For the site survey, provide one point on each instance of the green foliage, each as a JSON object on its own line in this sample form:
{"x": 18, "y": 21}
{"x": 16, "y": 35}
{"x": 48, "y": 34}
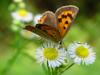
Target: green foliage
{"x": 17, "y": 54}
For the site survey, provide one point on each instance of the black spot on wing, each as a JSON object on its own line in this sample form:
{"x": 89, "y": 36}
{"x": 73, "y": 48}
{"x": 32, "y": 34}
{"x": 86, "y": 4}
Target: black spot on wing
{"x": 66, "y": 22}
{"x": 59, "y": 20}
{"x": 64, "y": 16}
{"x": 70, "y": 15}
{"x": 64, "y": 27}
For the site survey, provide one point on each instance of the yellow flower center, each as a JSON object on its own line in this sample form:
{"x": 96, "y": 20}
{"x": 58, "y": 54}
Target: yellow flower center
{"x": 81, "y": 51}
{"x": 22, "y": 12}
{"x": 50, "y": 53}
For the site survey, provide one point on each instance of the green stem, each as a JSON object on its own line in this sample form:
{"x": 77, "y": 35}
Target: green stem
{"x": 49, "y": 70}
{"x": 44, "y": 69}
{"x": 29, "y": 56}
{"x": 54, "y": 71}
{"x": 66, "y": 68}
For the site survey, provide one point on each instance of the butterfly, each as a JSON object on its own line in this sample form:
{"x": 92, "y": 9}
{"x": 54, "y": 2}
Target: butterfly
{"x": 54, "y": 26}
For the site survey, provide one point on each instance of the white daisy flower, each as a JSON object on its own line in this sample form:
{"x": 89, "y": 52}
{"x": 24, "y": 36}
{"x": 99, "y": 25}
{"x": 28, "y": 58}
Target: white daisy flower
{"x": 51, "y": 53}
{"x": 37, "y": 18}
{"x": 81, "y": 53}
{"x": 22, "y": 15}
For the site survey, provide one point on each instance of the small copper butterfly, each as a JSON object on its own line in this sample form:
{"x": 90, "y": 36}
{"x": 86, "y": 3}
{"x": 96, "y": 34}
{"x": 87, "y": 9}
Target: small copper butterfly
{"x": 55, "y": 26}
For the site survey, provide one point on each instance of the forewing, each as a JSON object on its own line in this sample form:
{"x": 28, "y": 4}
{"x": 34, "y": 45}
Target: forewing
{"x": 65, "y": 16}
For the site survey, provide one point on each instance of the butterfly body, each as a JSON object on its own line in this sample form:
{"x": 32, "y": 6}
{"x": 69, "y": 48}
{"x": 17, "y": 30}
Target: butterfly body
{"x": 55, "y": 26}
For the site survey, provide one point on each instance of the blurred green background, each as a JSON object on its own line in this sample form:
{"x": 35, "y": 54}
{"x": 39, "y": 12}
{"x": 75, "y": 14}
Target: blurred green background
{"x": 17, "y": 53}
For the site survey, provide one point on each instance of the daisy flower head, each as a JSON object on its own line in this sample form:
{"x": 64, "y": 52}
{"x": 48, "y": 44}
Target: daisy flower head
{"x": 52, "y": 54}
{"x": 81, "y": 53}
{"x": 22, "y": 15}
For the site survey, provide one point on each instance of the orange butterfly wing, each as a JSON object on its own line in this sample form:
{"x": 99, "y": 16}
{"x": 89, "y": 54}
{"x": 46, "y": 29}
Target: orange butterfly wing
{"x": 65, "y": 16}
{"x": 55, "y": 26}
{"x": 48, "y": 24}
{"x": 45, "y": 31}
{"x": 48, "y": 18}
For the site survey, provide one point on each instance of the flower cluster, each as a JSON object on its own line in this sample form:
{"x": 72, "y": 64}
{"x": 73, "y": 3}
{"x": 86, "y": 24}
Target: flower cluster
{"x": 19, "y": 11}
{"x": 55, "y": 55}
{"x": 21, "y": 17}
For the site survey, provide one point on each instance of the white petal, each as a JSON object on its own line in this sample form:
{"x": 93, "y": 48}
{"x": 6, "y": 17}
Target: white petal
{"x": 77, "y": 60}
